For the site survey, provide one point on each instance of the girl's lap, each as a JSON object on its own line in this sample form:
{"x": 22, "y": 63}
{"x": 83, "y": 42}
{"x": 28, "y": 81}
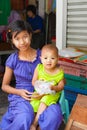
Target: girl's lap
{"x": 51, "y": 118}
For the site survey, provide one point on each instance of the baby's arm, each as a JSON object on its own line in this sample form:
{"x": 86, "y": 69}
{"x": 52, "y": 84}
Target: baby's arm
{"x": 59, "y": 87}
{"x": 35, "y": 77}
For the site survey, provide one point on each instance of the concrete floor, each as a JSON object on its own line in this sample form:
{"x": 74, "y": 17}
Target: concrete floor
{"x": 2, "y": 111}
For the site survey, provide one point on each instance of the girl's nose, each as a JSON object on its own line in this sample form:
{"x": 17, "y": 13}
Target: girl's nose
{"x": 21, "y": 41}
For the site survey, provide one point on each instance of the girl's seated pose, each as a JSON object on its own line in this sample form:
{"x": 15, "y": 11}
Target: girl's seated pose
{"x": 22, "y": 63}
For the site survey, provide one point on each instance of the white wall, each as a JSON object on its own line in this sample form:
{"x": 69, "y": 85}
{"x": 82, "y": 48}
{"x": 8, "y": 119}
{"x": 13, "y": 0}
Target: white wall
{"x": 41, "y": 9}
{"x": 61, "y": 23}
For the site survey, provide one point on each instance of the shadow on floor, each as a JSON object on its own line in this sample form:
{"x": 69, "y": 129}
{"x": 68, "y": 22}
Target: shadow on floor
{"x": 62, "y": 126}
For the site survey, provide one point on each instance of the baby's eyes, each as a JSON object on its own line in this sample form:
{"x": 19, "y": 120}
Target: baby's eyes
{"x": 53, "y": 58}
{"x": 50, "y": 58}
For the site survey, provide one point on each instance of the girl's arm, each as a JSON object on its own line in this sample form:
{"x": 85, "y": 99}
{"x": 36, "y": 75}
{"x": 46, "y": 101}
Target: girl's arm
{"x": 6, "y": 87}
{"x": 6, "y": 81}
{"x": 60, "y": 86}
{"x": 37, "y": 31}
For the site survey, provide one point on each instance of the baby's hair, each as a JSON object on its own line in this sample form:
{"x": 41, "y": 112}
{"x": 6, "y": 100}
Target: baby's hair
{"x": 50, "y": 47}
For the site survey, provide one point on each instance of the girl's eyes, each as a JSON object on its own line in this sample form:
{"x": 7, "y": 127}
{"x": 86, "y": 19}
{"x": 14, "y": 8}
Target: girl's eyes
{"x": 23, "y": 38}
{"x": 26, "y": 36}
{"x": 17, "y": 39}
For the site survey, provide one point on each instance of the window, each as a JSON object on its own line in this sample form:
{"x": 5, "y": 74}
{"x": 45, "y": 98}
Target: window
{"x": 71, "y": 23}
{"x": 76, "y": 30}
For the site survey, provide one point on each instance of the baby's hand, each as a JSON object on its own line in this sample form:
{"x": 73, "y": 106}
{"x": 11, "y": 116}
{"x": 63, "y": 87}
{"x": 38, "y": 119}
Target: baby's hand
{"x": 52, "y": 87}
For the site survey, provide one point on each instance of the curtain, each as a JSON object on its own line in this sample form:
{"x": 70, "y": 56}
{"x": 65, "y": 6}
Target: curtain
{"x": 5, "y": 8}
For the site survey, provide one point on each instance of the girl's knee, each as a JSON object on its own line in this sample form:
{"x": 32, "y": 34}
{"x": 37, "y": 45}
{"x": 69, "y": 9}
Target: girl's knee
{"x": 25, "y": 118}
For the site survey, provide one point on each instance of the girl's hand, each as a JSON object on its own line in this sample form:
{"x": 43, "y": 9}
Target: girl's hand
{"x": 25, "y": 94}
{"x": 35, "y": 95}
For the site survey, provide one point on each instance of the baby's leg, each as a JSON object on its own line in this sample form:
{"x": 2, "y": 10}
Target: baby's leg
{"x": 38, "y": 128}
{"x": 33, "y": 127}
{"x": 41, "y": 108}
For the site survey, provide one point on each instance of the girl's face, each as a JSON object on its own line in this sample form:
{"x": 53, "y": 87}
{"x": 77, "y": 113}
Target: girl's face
{"x": 49, "y": 59}
{"x": 22, "y": 40}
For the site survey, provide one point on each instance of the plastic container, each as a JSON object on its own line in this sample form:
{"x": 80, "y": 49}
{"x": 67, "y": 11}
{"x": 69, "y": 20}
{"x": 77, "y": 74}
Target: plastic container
{"x": 43, "y": 87}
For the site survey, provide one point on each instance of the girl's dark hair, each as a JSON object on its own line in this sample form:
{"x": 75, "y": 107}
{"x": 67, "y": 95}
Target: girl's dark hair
{"x": 17, "y": 26}
{"x": 31, "y": 8}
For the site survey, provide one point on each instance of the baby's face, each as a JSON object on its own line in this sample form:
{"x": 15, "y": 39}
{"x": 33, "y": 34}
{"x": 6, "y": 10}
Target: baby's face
{"x": 49, "y": 59}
